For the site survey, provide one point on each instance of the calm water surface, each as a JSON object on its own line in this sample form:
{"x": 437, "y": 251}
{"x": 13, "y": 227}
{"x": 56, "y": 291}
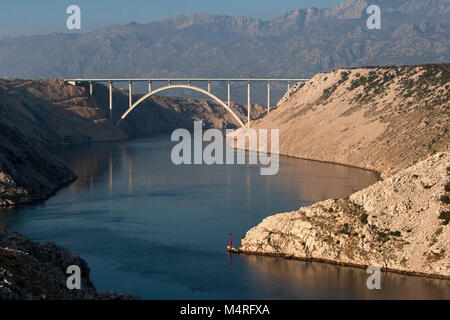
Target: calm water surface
{"x": 147, "y": 226}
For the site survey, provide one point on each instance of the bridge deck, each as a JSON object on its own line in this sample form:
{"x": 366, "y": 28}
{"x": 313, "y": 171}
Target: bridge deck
{"x": 185, "y": 79}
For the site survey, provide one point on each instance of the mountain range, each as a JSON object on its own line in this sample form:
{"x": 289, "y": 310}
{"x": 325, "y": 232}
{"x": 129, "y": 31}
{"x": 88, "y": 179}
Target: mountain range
{"x": 299, "y": 43}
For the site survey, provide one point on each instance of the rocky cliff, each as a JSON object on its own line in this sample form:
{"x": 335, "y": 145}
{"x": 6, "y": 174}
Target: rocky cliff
{"x": 33, "y": 271}
{"x": 399, "y": 224}
{"x": 393, "y": 120}
{"x": 27, "y": 171}
{"x": 383, "y": 119}
{"x": 34, "y": 115}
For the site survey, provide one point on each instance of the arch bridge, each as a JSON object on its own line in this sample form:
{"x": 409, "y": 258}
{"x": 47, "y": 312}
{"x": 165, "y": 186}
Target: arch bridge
{"x": 187, "y": 85}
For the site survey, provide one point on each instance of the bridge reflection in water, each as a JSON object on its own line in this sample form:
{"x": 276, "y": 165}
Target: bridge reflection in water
{"x": 306, "y": 179}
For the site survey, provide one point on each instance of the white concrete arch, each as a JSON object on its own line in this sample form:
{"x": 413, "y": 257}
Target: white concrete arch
{"x": 182, "y": 86}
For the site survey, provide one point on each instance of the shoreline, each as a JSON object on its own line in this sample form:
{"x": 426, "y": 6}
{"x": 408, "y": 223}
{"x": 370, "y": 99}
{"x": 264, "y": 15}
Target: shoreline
{"x": 376, "y": 173}
{"x": 336, "y": 263}
{"x": 372, "y": 227}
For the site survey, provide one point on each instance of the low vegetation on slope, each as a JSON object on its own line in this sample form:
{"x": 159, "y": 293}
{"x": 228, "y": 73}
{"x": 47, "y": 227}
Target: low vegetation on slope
{"x": 393, "y": 120}
{"x": 380, "y": 118}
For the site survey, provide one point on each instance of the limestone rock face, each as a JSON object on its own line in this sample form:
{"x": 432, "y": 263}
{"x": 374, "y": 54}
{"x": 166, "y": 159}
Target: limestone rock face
{"x": 398, "y": 224}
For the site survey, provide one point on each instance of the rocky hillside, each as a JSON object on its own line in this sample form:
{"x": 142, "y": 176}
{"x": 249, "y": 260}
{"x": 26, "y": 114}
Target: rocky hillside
{"x": 381, "y": 118}
{"x": 52, "y": 113}
{"x": 299, "y": 43}
{"x": 27, "y": 171}
{"x": 33, "y": 271}
{"x": 42, "y": 113}
{"x": 393, "y": 120}
{"x": 399, "y": 224}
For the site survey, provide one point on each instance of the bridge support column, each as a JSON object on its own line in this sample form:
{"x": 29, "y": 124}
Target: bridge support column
{"x": 268, "y": 97}
{"x": 209, "y": 86}
{"x": 130, "y": 92}
{"x": 91, "y": 89}
{"x": 229, "y": 93}
{"x": 110, "y": 98}
{"x": 149, "y": 86}
{"x": 248, "y": 104}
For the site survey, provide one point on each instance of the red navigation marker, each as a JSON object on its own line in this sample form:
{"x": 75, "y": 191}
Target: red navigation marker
{"x": 231, "y": 242}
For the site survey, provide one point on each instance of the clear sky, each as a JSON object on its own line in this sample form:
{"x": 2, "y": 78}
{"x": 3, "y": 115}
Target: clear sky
{"x": 24, "y": 17}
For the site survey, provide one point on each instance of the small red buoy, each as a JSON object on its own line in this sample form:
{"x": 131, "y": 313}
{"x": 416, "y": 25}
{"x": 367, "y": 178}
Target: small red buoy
{"x": 231, "y": 242}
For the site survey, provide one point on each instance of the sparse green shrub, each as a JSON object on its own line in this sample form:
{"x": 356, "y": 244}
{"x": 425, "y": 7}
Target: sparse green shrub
{"x": 445, "y": 215}
{"x": 361, "y": 81}
{"x": 329, "y": 91}
{"x": 382, "y": 236}
{"x": 447, "y": 187}
{"x": 345, "y": 230}
{"x": 433, "y": 257}
{"x": 445, "y": 199}
{"x": 344, "y": 76}
{"x": 364, "y": 218}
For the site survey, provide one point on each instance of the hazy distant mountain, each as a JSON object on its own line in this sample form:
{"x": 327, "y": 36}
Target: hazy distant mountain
{"x": 299, "y": 43}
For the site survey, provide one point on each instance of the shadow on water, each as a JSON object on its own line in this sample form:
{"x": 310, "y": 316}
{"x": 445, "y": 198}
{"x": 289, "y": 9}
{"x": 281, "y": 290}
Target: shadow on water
{"x": 309, "y": 280}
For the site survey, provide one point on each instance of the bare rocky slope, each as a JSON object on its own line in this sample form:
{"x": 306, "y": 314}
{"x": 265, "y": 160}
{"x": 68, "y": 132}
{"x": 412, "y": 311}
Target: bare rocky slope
{"x": 381, "y": 118}
{"x": 393, "y": 120}
{"x": 33, "y": 116}
{"x": 42, "y": 113}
